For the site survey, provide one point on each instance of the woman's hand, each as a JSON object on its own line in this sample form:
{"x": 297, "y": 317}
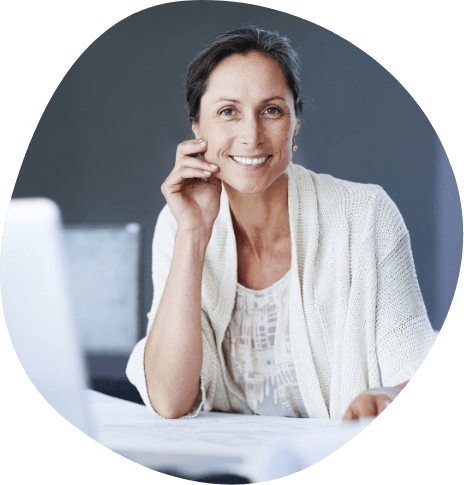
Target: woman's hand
{"x": 193, "y": 202}
{"x": 372, "y": 402}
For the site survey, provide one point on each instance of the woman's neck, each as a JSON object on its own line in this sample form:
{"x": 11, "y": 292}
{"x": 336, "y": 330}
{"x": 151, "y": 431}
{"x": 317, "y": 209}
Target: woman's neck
{"x": 260, "y": 220}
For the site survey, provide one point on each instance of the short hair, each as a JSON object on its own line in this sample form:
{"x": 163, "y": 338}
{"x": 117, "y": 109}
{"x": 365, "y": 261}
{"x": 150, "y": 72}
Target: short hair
{"x": 242, "y": 41}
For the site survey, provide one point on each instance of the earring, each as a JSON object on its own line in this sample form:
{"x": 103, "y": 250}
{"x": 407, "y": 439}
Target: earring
{"x": 294, "y": 147}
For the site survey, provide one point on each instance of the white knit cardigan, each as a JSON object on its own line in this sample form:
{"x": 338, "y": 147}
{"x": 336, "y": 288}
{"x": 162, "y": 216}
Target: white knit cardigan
{"x": 357, "y": 317}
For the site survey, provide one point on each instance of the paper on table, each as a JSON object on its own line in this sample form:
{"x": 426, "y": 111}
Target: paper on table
{"x": 263, "y": 447}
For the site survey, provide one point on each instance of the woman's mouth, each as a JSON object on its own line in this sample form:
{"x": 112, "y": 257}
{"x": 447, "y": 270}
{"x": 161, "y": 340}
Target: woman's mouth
{"x": 251, "y": 161}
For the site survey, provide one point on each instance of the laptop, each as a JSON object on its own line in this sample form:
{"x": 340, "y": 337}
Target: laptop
{"x": 38, "y": 307}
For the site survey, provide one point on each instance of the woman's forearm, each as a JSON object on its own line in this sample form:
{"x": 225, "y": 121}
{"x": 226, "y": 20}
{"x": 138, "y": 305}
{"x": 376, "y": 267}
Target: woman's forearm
{"x": 173, "y": 352}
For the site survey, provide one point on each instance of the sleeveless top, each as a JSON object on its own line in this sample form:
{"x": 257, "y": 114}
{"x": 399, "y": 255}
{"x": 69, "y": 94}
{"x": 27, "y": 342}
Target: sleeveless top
{"x": 257, "y": 351}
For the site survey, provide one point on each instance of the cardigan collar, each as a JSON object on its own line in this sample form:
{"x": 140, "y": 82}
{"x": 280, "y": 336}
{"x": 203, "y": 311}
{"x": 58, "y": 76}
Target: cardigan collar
{"x": 303, "y": 314}
{"x": 220, "y": 285}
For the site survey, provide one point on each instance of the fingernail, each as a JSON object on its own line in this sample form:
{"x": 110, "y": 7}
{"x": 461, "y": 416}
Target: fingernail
{"x": 214, "y": 167}
{"x": 206, "y": 172}
{"x": 201, "y": 140}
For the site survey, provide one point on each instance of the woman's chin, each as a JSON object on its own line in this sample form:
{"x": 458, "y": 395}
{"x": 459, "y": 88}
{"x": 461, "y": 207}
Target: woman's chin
{"x": 245, "y": 187}
{"x": 252, "y": 185}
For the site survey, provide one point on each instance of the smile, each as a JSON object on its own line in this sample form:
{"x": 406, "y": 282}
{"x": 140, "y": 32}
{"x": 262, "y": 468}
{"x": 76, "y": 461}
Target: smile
{"x": 251, "y": 161}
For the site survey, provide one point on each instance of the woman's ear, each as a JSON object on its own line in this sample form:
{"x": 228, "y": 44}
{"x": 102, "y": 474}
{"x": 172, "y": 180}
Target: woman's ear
{"x": 196, "y": 130}
{"x": 297, "y": 126}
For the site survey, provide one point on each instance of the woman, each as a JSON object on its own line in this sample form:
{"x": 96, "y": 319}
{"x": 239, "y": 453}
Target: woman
{"x": 276, "y": 290}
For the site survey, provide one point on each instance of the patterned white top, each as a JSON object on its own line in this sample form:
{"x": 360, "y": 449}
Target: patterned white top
{"x": 257, "y": 351}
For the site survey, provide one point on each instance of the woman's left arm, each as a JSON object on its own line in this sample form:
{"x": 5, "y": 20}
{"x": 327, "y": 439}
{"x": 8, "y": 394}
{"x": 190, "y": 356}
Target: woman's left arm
{"x": 371, "y": 402}
{"x": 403, "y": 334}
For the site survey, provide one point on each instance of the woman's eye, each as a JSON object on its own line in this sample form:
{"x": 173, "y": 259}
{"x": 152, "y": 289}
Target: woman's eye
{"x": 227, "y": 112}
{"x": 273, "y": 110}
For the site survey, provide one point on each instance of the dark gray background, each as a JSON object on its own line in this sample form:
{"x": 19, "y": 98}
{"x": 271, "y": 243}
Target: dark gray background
{"x": 107, "y": 139}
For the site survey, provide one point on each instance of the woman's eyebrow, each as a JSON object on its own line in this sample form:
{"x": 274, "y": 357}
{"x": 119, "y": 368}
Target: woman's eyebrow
{"x": 272, "y": 99}
{"x": 236, "y": 101}
{"x": 220, "y": 100}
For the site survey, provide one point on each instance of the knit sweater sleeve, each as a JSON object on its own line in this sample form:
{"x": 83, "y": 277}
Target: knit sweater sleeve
{"x": 404, "y": 335}
{"x": 162, "y": 250}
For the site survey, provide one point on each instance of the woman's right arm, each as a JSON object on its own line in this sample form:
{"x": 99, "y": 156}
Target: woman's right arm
{"x": 173, "y": 351}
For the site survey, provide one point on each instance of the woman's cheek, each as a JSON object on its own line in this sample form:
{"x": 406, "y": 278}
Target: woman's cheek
{"x": 211, "y": 156}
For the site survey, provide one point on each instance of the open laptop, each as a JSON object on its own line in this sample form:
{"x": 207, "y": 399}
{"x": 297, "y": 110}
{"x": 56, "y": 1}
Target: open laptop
{"x": 38, "y": 307}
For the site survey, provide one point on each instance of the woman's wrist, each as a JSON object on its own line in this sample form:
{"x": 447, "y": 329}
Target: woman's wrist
{"x": 193, "y": 238}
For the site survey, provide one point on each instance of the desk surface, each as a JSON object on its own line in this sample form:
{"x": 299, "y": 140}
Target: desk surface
{"x": 258, "y": 447}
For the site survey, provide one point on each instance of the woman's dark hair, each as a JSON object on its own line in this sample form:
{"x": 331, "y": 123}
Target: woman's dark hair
{"x": 242, "y": 41}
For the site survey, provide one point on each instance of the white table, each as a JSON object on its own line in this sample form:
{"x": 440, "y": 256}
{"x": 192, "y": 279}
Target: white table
{"x": 257, "y": 447}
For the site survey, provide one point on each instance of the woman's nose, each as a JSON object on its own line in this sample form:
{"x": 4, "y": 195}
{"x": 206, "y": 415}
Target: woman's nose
{"x": 251, "y": 132}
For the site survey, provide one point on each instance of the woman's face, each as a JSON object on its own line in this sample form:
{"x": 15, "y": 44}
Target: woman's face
{"x": 247, "y": 114}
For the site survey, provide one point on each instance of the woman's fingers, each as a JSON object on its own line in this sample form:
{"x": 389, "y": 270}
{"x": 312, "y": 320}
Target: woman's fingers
{"x": 191, "y": 189}
{"x": 349, "y": 413}
{"x": 190, "y": 148}
{"x": 367, "y": 406}
{"x": 191, "y": 168}
{"x": 189, "y": 162}
{"x": 186, "y": 158}
{"x": 176, "y": 180}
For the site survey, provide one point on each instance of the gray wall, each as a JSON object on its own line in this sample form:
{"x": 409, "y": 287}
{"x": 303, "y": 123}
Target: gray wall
{"x": 107, "y": 139}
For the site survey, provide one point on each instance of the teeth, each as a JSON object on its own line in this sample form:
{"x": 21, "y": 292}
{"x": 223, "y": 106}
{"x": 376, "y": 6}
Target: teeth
{"x": 250, "y": 161}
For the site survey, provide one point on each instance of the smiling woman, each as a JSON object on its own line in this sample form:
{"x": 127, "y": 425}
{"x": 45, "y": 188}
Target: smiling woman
{"x": 276, "y": 290}
{"x": 248, "y": 118}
